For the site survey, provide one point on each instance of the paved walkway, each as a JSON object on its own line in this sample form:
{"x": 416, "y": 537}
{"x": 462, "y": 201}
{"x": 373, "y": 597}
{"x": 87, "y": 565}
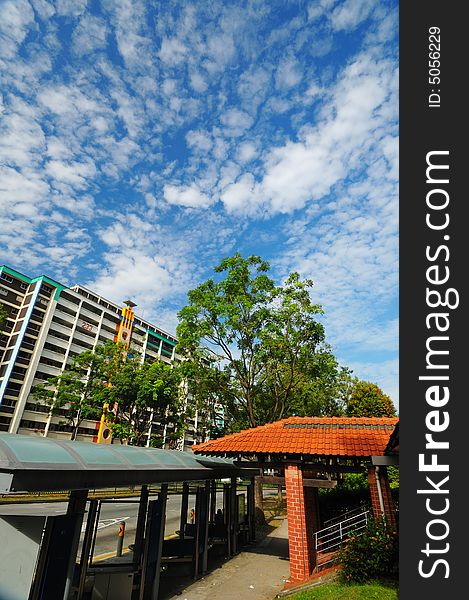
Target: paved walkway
{"x": 256, "y": 573}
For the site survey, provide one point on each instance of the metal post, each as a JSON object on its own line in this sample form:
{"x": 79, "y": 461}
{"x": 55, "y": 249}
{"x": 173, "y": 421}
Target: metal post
{"x": 196, "y": 557}
{"x": 184, "y": 507}
{"x": 140, "y": 529}
{"x": 213, "y": 500}
{"x": 151, "y": 567}
{"x": 204, "y": 525}
{"x": 226, "y": 510}
{"x": 76, "y": 510}
{"x": 234, "y": 518}
{"x": 95, "y": 531}
{"x": 87, "y": 542}
{"x": 120, "y": 538}
{"x": 251, "y": 511}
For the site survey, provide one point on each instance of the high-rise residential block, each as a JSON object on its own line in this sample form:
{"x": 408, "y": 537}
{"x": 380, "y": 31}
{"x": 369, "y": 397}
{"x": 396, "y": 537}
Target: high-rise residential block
{"x": 48, "y": 323}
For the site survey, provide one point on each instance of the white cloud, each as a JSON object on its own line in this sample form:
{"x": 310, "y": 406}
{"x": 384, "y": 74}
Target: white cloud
{"x": 236, "y": 122}
{"x": 247, "y": 152}
{"x": 190, "y": 196}
{"x": 319, "y": 8}
{"x": 288, "y": 74}
{"x": 199, "y": 140}
{"x": 89, "y": 35}
{"x": 172, "y": 51}
{"x": 21, "y": 187}
{"x": 75, "y": 173}
{"x": 351, "y": 13}
{"x": 352, "y": 119}
{"x": 71, "y": 8}
{"x": 198, "y": 82}
{"x": 240, "y": 195}
{"x": 16, "y": 18}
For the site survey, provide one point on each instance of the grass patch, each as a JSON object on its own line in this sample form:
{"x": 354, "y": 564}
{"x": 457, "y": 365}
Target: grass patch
{"x": 345, "y": 591}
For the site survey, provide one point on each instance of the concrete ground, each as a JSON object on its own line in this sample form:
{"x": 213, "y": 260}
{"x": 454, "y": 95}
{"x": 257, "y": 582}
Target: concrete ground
{"x": 258, "y": 572}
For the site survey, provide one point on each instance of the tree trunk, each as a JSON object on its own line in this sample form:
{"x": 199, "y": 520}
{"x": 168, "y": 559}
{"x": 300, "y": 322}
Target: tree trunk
{"x": 259, "y": 502}
{"x": 280, "y": 494}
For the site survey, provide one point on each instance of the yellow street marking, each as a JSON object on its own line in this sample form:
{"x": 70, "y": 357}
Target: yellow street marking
{"x": 125, "y": 550}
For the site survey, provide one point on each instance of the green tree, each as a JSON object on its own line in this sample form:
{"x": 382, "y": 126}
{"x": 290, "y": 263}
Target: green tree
{"x": 3, "y": 316}
{"x": 324, "y": 388}
{"x": 80, "y": 392}
{"x": 268, "y": 336}
{"x": 144, "y": 393}
{"x": 206, "y": 383}
{"x": 368, "y": 400}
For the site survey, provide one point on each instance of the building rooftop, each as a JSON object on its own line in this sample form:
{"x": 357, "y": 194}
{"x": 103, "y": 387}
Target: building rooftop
{"x": 318, "y": 436}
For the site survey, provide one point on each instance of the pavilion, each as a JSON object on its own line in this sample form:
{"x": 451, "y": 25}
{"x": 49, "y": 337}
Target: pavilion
{"x": 307, "y": 453}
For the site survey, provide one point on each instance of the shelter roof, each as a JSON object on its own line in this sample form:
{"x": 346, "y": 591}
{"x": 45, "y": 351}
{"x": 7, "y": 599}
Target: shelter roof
{"x": 29, "y": 463}
{"x": 312, "y": 436}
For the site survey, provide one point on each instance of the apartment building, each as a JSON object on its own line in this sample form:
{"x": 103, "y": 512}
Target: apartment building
{"x": 49, "y": 323}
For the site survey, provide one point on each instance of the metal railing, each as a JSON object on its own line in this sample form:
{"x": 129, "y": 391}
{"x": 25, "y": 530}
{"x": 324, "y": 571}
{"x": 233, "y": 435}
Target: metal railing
{"x": 345, "y": 515}
{"x": 329, "y": 539}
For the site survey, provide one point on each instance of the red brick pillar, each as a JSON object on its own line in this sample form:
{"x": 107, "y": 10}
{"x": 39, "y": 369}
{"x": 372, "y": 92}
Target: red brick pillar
{"x": 376, "y": 501}
{"x": 381, "y": 499}
{"x": 299, "y": 545}
{"x": 312, "y": 521}
{"x": 389, "y": 509}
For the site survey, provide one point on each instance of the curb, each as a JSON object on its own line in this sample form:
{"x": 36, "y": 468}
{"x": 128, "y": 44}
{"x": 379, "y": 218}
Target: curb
{"x": 312, "y": 583}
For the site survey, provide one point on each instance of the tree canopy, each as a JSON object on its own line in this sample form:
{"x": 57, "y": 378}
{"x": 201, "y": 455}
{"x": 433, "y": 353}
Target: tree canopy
{"x": 137, "y": 393}
{"x": 3, "y": 316}
{"x": 143, "y": 393}
{"x": 368, "y": 400}
{"x": 271, "y": 347}
{"x": 80, "y": 391}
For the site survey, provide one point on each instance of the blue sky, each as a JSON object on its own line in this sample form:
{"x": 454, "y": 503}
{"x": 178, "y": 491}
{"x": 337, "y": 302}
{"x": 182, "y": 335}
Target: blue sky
{"x": 141, "y": 141}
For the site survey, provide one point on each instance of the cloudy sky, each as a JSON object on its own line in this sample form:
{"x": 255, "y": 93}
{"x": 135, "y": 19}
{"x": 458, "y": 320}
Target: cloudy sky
{"x": 141, "y": 141}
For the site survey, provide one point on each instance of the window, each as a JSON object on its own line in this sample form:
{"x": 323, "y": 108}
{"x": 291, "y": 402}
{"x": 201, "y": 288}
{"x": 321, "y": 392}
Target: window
{"x": 50, "y": 362}
{"x": 54, "y": 348}
{"x": 6, "y": 277}
{"x": 70, "y": 298}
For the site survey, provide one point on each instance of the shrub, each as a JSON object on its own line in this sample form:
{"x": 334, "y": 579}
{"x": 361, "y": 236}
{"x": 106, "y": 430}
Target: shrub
{"x": 352, "y": 492}
{"x": 371, "y": 555}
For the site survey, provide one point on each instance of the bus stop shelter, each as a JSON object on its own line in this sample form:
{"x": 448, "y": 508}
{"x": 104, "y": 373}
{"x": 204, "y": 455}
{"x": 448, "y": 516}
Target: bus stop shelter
{"x": 38, "y": 554}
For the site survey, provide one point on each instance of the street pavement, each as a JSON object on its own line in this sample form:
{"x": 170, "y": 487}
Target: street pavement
{"x": 258, "y": 572}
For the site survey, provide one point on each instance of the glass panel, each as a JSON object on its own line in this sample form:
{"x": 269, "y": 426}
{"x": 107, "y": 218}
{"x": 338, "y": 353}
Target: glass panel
{"x": 37, "y": 451}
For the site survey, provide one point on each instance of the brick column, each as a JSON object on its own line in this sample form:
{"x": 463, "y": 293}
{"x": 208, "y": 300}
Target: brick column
{"x": 389, "y": 509}
{"x": 300, "y": 547}
{"x": 381, "y": 499}
{"x": 374, "y": 493}
{"x": 312, "y": 521}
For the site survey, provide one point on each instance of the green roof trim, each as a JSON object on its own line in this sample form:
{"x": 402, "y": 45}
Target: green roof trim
{"x": 59, "y": 288}
{"x": 154, "y": 345}
{"x": 13, "y": 273}
{"x": 161, "y": 337}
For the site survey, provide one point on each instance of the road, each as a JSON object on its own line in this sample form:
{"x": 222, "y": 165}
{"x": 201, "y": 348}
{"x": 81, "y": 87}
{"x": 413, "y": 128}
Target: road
{"x": 112, "y": 513}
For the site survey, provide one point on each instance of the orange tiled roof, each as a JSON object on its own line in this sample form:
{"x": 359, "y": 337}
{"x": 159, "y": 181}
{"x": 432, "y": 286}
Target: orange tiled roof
{"x": 320, "y": 436}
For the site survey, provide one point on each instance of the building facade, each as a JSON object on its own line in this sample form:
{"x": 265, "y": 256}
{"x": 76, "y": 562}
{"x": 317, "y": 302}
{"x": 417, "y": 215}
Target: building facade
{"x": 48, "y": 324}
